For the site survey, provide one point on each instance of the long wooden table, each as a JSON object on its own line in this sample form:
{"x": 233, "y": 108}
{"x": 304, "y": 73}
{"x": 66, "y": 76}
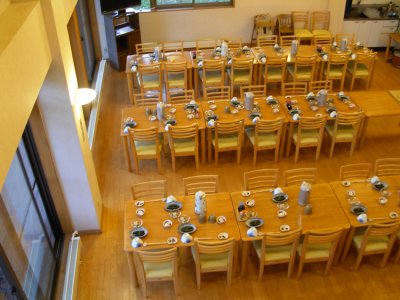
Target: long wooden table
{"x": 327, "y": 213}
{"x": 375, "y": 104}
{"x": 217, "y": 204}
{"x": 369, "y": 198}
{"x": 138, "y": 113}
{"x": 392, "y": 37}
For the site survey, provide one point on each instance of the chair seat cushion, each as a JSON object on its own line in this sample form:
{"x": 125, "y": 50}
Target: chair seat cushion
{"x": 212, "y": 77}
{"x": 303, "y": 73}
{"x": 226, "y": 141}
{"x": 184, "y": 145}
{"x": 145, "y": 148}
{"x": 265, "y": 139}
{"x": 307, "y": 136}
{"x": 361, "y": 70}
{"x": 374, "y": 243}
{"x": 274, "y": 73}
{"x": 321, "y": 32}
{"x": 344, "y": 132}
{"x": 242, "y": 76}
{"x": 315, "y": 251}
{"x": 212, "y": 261}
{"x": 150, "y": 81}
{"x": 335, "y": 71}
{"x": 158, "y": 270}
{"x": 303, "y": 33}
{"x": 273, "y": 253}
{"x": 176, "y": 80}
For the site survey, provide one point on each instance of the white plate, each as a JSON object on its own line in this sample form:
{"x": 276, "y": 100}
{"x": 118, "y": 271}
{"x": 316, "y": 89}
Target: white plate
{"x": 140, "y": 212}
{"x": 221, "y": 219}
{"x": 246, "y": 193}
{"x": 223, "y": 235}
{"x": 284, "y": 228}
{"x": 139, "y": 203}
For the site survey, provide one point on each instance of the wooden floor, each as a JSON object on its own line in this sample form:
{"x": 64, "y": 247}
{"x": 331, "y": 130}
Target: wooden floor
{"x": 104, "y": 272}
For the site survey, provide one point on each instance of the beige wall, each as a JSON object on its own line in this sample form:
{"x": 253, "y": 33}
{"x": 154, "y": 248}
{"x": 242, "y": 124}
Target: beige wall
{"x": 3, "y": 5}
{"x": 189, "y": 25}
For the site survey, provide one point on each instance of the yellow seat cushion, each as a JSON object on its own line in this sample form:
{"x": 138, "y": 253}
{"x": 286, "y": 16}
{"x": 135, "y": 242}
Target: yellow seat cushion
{"x": 176, "y": 80}
{"x": 307, "y": 136}
{"x": 344, "y": 132}
{"x": 213, "y": 77}
{"x": 242, "y": 76}
{"x": 274, "y": 73}
{"x": 146, "y": 148}
{"x": 151, "y": 81}
{"x": 321, "y": 32}
{"x": 184, "y": 145}
{"x": 158, "y": 270}
{"x": 315, "y": 251}
{"x": 335, "y": 71}
{"x": 226, "y": 140}
{"x": 265, "y": 139}
{"x": 361, "y": 70}
{"x": 273, "y": 253}
{"x": 303, "y": 73}
{"x": 212, "y": 261}
{"x": 374, "y": 243}
{"x": 303, "y": 33}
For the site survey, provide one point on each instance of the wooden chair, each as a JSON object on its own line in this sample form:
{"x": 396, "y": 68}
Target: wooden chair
{"x": 310, "y": 131}
{"x": 144, "y": 48}
{"x": 294, "y": 88}
{"x": 213, "y": 256}
{"x": 300, "y": 26}
{"x": 285, "y": 25}
{"x": 297, "y": 176}
{"x": 180, "y": 96}
{"x": 146, "y": 99}
{"x": 157, "y": 265}
{"x": 264, "y": 24}
{"x": 173, "y": 47}
{"x": 286, "y": 40}
{"x": 349, "y": 36}
{"x": 228, "y": 136}
{"x": 176, "y": 76}
{"x": 336, "y": 68}
{"x": 303, "y": 69}
{"x": 217, "y": 93}
{"x": 275, "y": 70}
{"x": 145, "y": 145}
{"x": 323, "y": 40}
{"x": 233, "y": 43}
{"x": 149, "y": 190}
{"x": 267, "y": 40}
{"x": 203, "y": 44}
{"x": 319, "y": 245}
{"x": 387, "y": 166}
{"x": 205, "y": 183}
{"x": 265, "y": 135}
{"x": 355, "y": 171}
{"x": 377, "y": 239}
{"x": 316, "y": 86}
{"x": 150, "y": 77}
{"x": 344, "y": 129}
{"x": 241, "y": 72}
{"x": 213, "y": 73}
{"x": 259, "y": 91}
{"x": 184, "y": 141}
{"x": 361, "y": 68}
{"x": 277, "y": 248}
{"x": 320, "y": 23}
{"x": 260, "y": 179}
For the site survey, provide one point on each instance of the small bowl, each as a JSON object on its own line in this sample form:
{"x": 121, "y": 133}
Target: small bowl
{"x": 190, "y": 116}
{"x": 139, "y": 203}
{"x": 210, "y": 101}
{"x": 234, "y": 111}
{"x": 246, "y": 193}
{"x": 382, "y": 200}
{"x": 213, "y": 106}
{"x": 284, "y": 228}
{"x": 172, "y": 110}
{"x": 137, "y": 223}
{"x": 221, "y": 219}
{"x": 140, "y": 212}
{"x": 174, "y": 214}
{"x": 314, "y": 108}
{"x": 250, "y": 202}
{"x": 167, "y": 223}
{"x": 152, "y": 118}
{"x": 346, "y": 183}
{"x": 351, "y": 193}
{"x": 183, "y": 219}
{"x": 282, "y": 213}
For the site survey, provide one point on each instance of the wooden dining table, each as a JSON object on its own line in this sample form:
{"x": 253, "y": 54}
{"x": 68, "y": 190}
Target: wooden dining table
{"x": 367, "y": 196}
{"x": 302, "y": 104}
{"x": 147, "y": 59}
{"x": 375, "y": 104}
{"x": 326, "y": 213}
{"x": 155, "y": 214}
{"x": 138, "y": 113}
{"x": 242, "y": 114}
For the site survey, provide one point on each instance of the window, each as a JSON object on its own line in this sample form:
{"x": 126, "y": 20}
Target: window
{"x": 190, "y": 3}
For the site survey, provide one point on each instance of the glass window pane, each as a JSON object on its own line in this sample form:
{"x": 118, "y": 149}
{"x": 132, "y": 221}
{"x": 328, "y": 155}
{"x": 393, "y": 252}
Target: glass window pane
{"x": 212, "y": 1}
{"x": 173, "y": 2}
{"x": 6, "y": 289}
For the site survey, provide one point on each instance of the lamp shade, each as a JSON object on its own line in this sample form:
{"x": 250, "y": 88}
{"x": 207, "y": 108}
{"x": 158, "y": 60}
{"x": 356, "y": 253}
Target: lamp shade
{"x": 84, "y": 96}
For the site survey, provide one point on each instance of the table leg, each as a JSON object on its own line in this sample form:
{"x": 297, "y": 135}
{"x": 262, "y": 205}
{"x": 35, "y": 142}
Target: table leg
{"x": 388, "y": 48}
{"x": 130, "y": 87}
{"x": 283, "y": 140}
{"x": 196, "y": 83}
{"x": 190, "y": 78}
{"x": 132, "y": 268}
{"x": 348, "y": 243}
{"x": 209, "y": 137}
{"x": 363, "y": 132}
{"x": 340, "y": 247}
{"x": 289, "y": 138}
{"x": 203, "y": 145}
{"x": 126, "y": 152}
{"x": 245, "y": 254}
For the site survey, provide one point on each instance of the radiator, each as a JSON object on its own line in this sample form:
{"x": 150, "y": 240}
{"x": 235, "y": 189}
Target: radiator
{"x": 72, "y": 268}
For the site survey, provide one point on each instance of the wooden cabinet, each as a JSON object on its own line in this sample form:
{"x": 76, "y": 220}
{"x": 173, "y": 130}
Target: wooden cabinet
{"x": 122, "y": 33}
{"x": 360, "y": 29}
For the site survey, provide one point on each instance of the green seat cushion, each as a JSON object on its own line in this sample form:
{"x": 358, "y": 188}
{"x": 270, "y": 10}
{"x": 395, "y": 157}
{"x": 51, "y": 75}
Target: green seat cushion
{"x": 150, "y": 81}
{"x": 176, "y": 80}
{"x": 315, "y": 251}
{"x": 265, "y": 139}
{"x": 361, "y": 70}
{"x": 273, "y": 253}
{"x": 344, "y": 132}
{"x": 226, "y": 140}
{"x": 274, "y": 73}
{"x": 374, "y": 243}
{"x": 242, "y": 76}
{"x": 321, "y": 32}
{"x": 212, "y": 261}
{"x": 335, "y": 71}
{"x": 184, "y": 145}
{"x": 303, "y": 33}
{"x": 146, "y": 148}
{"x": 307, "y": 136}
{"x": 157, "y": 270}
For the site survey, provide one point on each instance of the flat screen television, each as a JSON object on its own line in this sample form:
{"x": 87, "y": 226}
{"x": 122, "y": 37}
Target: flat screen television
{"x": 113, "y": 5}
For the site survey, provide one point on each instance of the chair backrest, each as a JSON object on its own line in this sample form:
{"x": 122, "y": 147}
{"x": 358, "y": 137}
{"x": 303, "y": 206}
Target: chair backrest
{"x": 274, "y": 66}
{"x": 146, "y": 99}
{"x": 172, "y": 46}
{"x": 158, "y": 257}
{"x": 143, "y": 135}
{"x": 302, "y": 65}
{"x": 383, "y": 229}
{"x": 205, "y": 183}
{"x": 145, "y": 47}
{"x": 285, "y": 21}
{"x": 214, "y": 247}
{"x": 258, "y": 90}
{"x": 233, "y": 43}
{"x": 323, "y": 40}
{"x": 311, "y": 123}
{"x": 355, "y": 171}
{"x": 264, "y": 24}
{"x": 320, "y": 20}
{"x": 300, "y": 19}
{"x": 150, "y": 73}
{"x": 348, "y": 36}
{"x": 286, "y": 40}
{"x": 217, "y": 93}
{"x": 175, "y": 75}
{"x": 294, "y": 88}
{"x": 229, "y": 128}
{"x": 205, "y": 44}
{"x": 323, "y": 236}
{"x": 297, "y": 176}
{"x": 315, "y": 86}
{"x": 267, "y": 126}
{"x": 243, "y": 67}
{"x": 214, "y": 68}
{"x": 189, "y": 132}
{"x": 387, "y": 166}
{"x": 267, "y": 40}
{"x": 367, "y": 60}
{"x": 180, "y": 96}
{"x": 149, "y": 190}
{"x": 261, "y": 179}
{"x": 349, "y": 119}
{"x": 337, "y": 61}
{"x": 282, "y": 238}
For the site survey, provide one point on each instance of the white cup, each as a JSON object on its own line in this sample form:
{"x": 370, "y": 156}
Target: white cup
{"x": 263, "y": 60}
{"x": 170, "y": 199}
{"x": 278, "y": 190}
{"x": 362, "y": 218}
{"x": 211, "y": 122}
{"x": 296, "y": 117}
{"x": 333, "y": 114}
{"x": 374, "y": 179}
{"x": 186, "y": 238}
{"x": 136, "y": 242}
{"x": 252, "y": 232}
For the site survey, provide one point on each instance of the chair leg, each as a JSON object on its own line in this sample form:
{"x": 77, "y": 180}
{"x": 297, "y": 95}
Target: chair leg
{"x": 318, "y": 152}
{"x": 196, "y": 157}
{"x": 198, "y": 277}
{"x": 176, "y": 285}
{"x": 353, "y": 146}
{"x": 385, "y": 258}
{"x": 329, "y": 265}
{"x": 261, "y": 271}
{"x": 352, "y": 83}
{"x": 296, "y": 155}
{"x": 136, "y": 164}
{"x": 173, "y": 162}
{"x": 300, "y": 268}
{"x": 216, "y": 157}
{"x": 332, "y": 148}
{"x": 358, "y": 261}
{"x": 276, "y": 155}
{"x": 254, "y": 157}
{"x": 397, "y": 256}
{"x": 229, "y": 276}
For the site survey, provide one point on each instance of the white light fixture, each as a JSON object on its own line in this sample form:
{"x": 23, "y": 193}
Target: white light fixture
{"x": 84, "y": 96}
